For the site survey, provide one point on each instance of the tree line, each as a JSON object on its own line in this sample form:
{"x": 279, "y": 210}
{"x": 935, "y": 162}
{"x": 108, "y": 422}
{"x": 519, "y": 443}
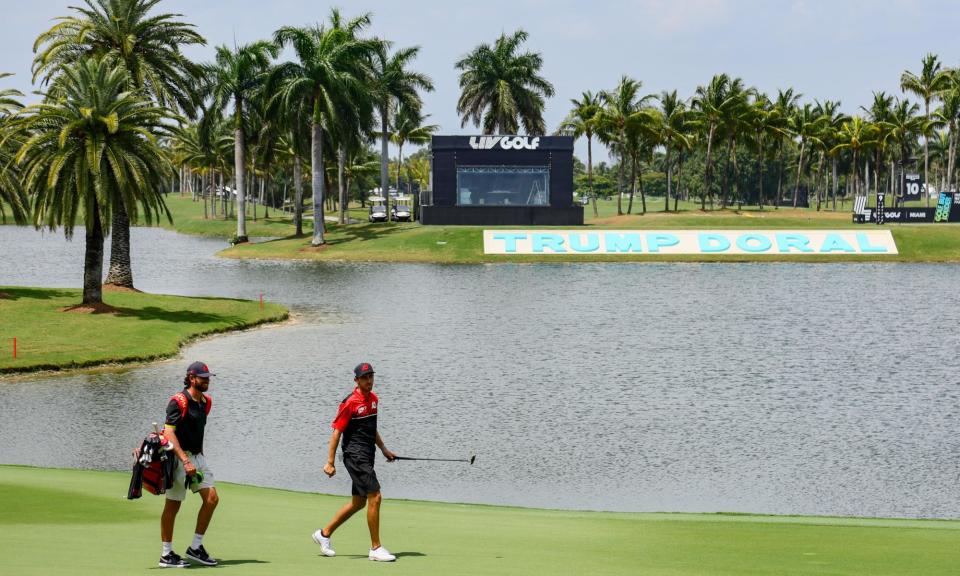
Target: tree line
{"x": 731, "y": 137}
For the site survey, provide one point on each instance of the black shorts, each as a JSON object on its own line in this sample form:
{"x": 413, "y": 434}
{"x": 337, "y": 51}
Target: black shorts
{"x": 363, "y": 476}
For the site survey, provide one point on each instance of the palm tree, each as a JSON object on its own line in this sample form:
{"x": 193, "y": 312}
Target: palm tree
{"x": 91, "y": 150}
{"x": 147, "y": 45}
{"x": 234, "y": 79}
{"x": 713, "y": 103}
{"x": 330, "y": 79}
{"x": 902, "y": 127}
{"x": 500, "y": 90}
{"x": 927, "y": 86}
{"x": 855, "y": 135}
{"x": 394, "y": 87}
{"x": 735, "y": 116}
{"x": 949, "y": 114}
{"x": 833, "y": 120}
{"x": 941, "y": 153}
{"x": 409, "y": 128}
{"x": 758, "y": 118}
{"x": 640, "y": 138}
{"x": 878, "y": 114}
{"x": 619, "y": 104}
{"x": 583, "y": 120}
{"x": 783, "y": 109}
{"x": 804, "y": 124}
{"x": 11, "y": 190}
{"x": 673, "y": 118}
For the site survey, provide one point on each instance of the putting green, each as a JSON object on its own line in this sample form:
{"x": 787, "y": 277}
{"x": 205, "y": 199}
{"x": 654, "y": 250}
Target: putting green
{"x": 77, "y": 522}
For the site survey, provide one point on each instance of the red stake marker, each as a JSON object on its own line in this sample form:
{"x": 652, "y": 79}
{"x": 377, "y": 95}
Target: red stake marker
{"x": 261, "y": 300}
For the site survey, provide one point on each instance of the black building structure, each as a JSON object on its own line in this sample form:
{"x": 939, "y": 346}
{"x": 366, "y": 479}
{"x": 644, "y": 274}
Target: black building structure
{"x": 502, "y": 180}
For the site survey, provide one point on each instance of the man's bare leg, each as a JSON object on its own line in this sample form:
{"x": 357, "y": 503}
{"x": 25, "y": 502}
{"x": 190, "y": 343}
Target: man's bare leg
{"x": 349, "y": 509}
{"x": 167, "y": 519}
{"x": 210, "y": 501}
{"x": 373, "y": 519}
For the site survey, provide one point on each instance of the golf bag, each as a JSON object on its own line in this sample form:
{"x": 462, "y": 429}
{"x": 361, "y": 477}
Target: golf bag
{"x": 152, "y": 470}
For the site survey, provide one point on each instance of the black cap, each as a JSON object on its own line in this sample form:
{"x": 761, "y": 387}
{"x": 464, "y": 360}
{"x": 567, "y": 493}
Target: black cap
{"x": 363, "y": 369}
{"x": 200, "y": 370}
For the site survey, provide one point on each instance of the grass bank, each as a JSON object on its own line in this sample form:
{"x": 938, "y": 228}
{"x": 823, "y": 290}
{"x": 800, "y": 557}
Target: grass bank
{"x": 402, "y": 242}
{"x": 142, "y": 327}
{"x": 77, "y": 522}
{"x": 411, "y": 242}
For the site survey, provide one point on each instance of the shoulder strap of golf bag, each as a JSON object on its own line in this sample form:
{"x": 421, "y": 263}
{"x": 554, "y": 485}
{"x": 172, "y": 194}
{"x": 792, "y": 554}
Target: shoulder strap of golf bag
{"x": 181, "y": 398}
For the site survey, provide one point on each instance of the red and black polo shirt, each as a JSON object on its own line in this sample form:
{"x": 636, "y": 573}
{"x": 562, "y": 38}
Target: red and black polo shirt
{"x": 188, "y": 426}
{"x": 357, "y": 420}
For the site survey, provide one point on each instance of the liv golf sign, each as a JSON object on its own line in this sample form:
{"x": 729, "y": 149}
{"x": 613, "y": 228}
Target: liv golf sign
{"x": 779, "y": 242}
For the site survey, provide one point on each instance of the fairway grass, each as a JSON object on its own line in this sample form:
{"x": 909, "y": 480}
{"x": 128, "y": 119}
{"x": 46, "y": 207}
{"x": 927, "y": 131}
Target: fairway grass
{"x": 58, "y": 521}
{"x": 145, "y": 327}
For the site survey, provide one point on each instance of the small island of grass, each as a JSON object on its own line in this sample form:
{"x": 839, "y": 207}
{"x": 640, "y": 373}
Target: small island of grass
{"x": 130, "y": 327}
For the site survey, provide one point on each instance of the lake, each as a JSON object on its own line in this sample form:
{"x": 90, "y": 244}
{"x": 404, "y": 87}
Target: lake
{"x": 771, "y": 388}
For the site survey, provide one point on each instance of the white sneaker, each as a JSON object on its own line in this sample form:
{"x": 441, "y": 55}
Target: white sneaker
{"x": 381, "y": 554}
{"x": 324, "y": 543}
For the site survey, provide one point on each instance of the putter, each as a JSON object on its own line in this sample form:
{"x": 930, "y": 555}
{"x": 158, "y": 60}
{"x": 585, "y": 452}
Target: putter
{"x": 472, "y": 458}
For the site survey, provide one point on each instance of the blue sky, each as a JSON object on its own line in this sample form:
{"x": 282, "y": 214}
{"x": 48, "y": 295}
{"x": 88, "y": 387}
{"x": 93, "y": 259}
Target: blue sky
{"x": 840, "y": 49}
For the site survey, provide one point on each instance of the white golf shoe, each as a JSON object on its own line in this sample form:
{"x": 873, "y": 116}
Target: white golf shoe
{"x": 381, "y": 554}
{"x": 324, "y": 543}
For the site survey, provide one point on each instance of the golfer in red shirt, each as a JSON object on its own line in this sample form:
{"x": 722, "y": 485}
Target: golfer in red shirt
{"x": 356, "y": 424}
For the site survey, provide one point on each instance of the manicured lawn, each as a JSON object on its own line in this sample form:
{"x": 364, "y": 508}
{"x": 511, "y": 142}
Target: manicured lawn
{"x": 77, "y": 522}
{"x": 144, "y": 326}
{"x": 188, "y": 219}
{"x": 403, "y": 242}
{"x": 411, "y": 242}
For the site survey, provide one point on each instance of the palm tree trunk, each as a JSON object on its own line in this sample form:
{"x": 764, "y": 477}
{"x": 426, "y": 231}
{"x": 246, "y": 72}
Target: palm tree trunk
{"x": 643, "y": 196}
{"x": 819, "y": 174}
{"x": 120, "y": 272}
{"x": 676, "y": 197}
{"x": 341, "y": 162}
{"x": 399, "y": 166}
{"x": 633, "y": 182}
{"x": 708, "y": 179}
{"x": 736, "y": 176}
{"x": 776, "y": 204}
{"x": 725, "y": 184}
{"x": 298, "y": 195}
{"x": 926, "y": 151}
{"x": 834, "y": 171}
{"x": 239, "y": 169}
{"x": 620, "y": 187}
{"x": 316, "y": 168}
{"x": 796, "y": 188}
{"x": 253, "y": 187}
{"x": 666, "y": 203}
{"x": 760, "y": 168}
{"x": 866, "y": 174}
{"x": 590, "y": 174}
{"x": 93, "y": 260}
{"x": 384, "y": 156}
{"x": 263, "y": 198}
{"x": 951, "y": 155}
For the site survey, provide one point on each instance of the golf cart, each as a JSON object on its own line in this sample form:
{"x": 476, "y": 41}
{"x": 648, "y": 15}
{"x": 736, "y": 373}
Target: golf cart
{"x": 400, "y": 213}
{"x": 378, "y": 211}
